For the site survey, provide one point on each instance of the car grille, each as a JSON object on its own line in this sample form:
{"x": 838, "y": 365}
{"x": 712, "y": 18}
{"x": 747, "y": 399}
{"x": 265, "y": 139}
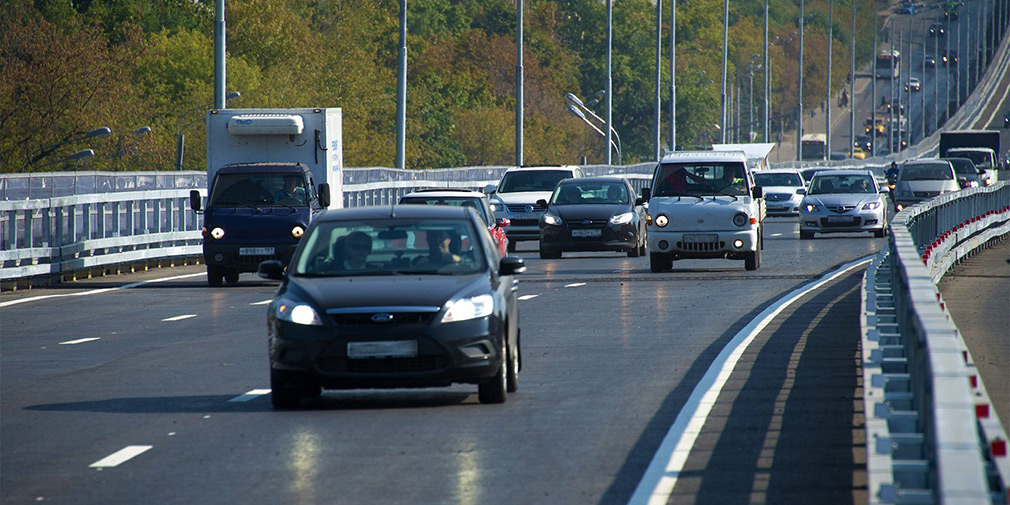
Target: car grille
{"x": 840, "y": 209}
{"x": 926, "y": 194}
{"x": 777, "y": 197}
{"x": 701, "y": 246}
{"x": 856, "y": 221}
{"x": 398, "y": 318}
{"x": 383, "y": 365}
{"x": 521, "y": 207}
{"x": 587, "y": 223}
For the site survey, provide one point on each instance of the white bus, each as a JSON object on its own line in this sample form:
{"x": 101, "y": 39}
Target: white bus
{"x": 887, "y": 64}
{"x": 814, "y": 146}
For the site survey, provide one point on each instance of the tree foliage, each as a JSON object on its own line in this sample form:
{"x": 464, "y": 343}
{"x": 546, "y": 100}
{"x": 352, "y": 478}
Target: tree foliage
{"x": 71, "y": 66}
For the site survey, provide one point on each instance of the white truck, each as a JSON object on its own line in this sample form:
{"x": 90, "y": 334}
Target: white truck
{"x": 269, "y": 171}
{"x": 704, "y": 204}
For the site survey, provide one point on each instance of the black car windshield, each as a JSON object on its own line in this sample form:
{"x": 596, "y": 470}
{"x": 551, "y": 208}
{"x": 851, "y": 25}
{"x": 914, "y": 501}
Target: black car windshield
{"x": 786, "y": 179}
{"x": 700, "y": 179}
{"x": 931, "y": 172}
{"x": 259, "y": 190}
{"x": 452, "y": 201}
{"x": 963, "y": 166}
{"x": 531, "y": 180}
{"x": 833, "y": 184}
{"x": 590, "y": 193}
{"x": 391, "y": 246}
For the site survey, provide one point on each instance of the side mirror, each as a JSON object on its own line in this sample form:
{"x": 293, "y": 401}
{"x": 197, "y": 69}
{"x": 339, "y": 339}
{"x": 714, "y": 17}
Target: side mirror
{"x": 646, "y": 194}
{"x": 490, "y": 188}
{"x": 195, "y": 200}
{"x": 801, "y": 191}
{"x": 271, "y": 269}
{"x": 511, "y": 265}
{"x": 542, "y": 203}
{"x": 757, "y": 192}
{"x": 640, "y": 201}
{"x": 324, "y": 195}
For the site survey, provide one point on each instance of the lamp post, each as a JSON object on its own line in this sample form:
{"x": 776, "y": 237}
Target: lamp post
{"x": 401, "y": 91}
{"x": 799, "y": 94}
{"x": 827, "y": 98}
{"x": 873, "y": 92}
{"x": 673, "y": 75}
{"x": 583, "y": 109}
{"x": 659, "y": 61}
{"x": 122, "y": 150}
{"x": 82, "y": 155}
{"x": 610, "y": 78}
{"x": 725, "y": 57}
{"x": 579, "y": 114}
{"x": 852, "y": 81}
{"x": 100, "y": 132}
{"x": 519, "y": 83}
{"x": 180, "y": 138}
{"x": 767, "y": 88}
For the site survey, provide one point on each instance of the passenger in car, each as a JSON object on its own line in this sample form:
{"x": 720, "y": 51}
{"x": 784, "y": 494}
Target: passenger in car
{"x": 351, "y": 251}
{"x": 443, "y": 248}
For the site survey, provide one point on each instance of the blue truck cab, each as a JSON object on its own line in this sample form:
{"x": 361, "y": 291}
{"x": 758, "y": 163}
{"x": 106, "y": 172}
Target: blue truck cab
{"x": 269, "y": 171}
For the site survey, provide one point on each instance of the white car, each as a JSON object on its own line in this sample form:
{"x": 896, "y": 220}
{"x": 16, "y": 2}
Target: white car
{"x": 921, "y": 180}
{"x": 913, "y": 84}
{"x": 783, "y": 190}
{"x": 516, "y": 195}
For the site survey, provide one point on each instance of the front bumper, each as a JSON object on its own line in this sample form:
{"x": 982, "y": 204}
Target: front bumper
{"x": 609, "y": 238}
{"x": 830, "y": 222}
{"x": 460, "y": 352}
{"x": 246, "y": 257}
{"x": 732, "y": 244}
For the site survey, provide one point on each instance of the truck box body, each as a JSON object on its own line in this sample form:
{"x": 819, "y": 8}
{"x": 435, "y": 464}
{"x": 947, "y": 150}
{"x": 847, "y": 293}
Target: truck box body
{"x": 981, "y": 146}
{"x": 269, "y": 171}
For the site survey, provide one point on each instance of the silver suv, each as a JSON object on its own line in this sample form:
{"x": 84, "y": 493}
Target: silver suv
{"x": 515, "y": 197}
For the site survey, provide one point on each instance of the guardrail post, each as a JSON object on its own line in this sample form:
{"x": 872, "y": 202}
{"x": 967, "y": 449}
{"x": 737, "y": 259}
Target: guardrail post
{"x": 12, "y": 230}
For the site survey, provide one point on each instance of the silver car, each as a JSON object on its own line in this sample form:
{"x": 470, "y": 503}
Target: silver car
{"x": 922, "y": 180}
{"x": 841, "y": 201}
{"x": 783, "y": 190}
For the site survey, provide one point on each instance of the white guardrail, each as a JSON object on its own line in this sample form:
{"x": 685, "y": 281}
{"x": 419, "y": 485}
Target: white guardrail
{"x": 932, "y": 434}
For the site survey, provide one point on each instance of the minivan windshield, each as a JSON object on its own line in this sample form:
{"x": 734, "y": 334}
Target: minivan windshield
{"x": 390, "y": 246}
{"x": 259, "y": 190}
{"x": 701, "y": 179}
{"x": 532, "y": 180}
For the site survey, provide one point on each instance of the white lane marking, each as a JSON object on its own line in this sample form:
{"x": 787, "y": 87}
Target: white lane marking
{"x": 264, "y": 302}
{"x": 575, "y": 284}
{"x": 97, "y": 291}
{"x": 80, "y": 341}
{"x": 776, "y": 234}
{"x": 121, "y": 456}
{"x": 178, "y": 318}
{"x": 527, "y": 297}
{"x": 661, "y": 476}
{"x": 996, "y": 110}
{"x": 251, "y": 395}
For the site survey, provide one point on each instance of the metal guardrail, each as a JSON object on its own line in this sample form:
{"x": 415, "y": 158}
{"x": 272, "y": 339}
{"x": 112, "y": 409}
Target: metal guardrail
{"x": 932, "y": 436}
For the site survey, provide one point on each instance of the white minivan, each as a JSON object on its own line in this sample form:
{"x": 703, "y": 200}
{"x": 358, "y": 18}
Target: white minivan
{"x": 704, "y": 204}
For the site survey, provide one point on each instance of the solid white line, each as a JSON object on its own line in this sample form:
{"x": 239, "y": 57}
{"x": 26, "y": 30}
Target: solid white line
{"x": 575, "y": 284}
{"x": 251, "y": 395}
{"x": 527, "y": 297}
{"x": 121, "y": 456}
{"x": 996, "y": 109}
{"x": 264, "y": 302}
{"x": 178, "y": 318}
{"x": 661, "y": 476}
{"x": 97, "y": 291}
{"x": 79, "y": 341}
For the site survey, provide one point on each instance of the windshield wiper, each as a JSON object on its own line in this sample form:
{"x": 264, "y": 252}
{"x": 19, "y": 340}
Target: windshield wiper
{"x": 723, "y": 192}
{"x": 681, "y": 194}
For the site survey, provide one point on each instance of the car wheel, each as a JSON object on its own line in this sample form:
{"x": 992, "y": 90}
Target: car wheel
{"x": 660, "y": 262}
{"x": 282, "y": 394}
{"x": 635, "y": 252}
{"x": 215, "y": 276}
{"x": 512, "y": 246}
{"x": 880, "y": 233}
{"x": 231, "y": 276}
{"x": 550, "y": 255}
{"x": 805, "y": 235}
{"x": 513, "y": 369}
{"x": 753, "y": 260}
{"x": 643, "y": 249}
{"x": 495, "y": 390}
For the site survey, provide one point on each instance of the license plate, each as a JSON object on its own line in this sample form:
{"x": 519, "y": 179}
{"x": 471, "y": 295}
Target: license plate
{"x": 382, "y": 349}
{"x": 700, "y": 238}
{"x": 839, "y": 219}
{"x": 587, "y": 233}
{"x": 255, "y": 251}
{"x": 527, "y": 215}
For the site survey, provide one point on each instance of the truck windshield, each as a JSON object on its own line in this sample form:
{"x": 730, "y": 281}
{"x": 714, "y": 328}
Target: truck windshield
{"x": 259, "y": 190}
{"x": 981, "y": 158}
{"x": 530, "y": 180}
{"x": 701, "y": 179}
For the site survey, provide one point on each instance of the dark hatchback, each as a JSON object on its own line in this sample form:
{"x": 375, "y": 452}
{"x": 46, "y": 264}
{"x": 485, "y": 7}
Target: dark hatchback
{"x": 593, "y": 214}
{"x": 392, "y": 297}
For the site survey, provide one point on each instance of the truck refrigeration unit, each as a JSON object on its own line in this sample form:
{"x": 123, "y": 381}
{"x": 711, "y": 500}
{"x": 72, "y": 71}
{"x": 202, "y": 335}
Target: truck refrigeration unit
{"x": 269, "y": 171}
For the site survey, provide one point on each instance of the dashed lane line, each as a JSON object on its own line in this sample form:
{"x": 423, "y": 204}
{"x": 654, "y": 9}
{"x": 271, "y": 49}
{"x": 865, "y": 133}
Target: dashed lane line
{"x": 575, "y": 284}
{"x": 527, "y": 297}
{"x": 264, "y": 302}
{"x": 249, "y": 396}
{"x": 121, "y": 456}
{"x": 80, "y": 341}
{"x": 178, "y": 318}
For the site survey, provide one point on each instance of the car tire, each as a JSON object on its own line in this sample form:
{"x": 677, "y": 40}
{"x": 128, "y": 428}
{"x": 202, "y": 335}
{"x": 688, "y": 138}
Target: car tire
{"x": 753, "y": 260}
{"x": 550, "y": 255}
{"x": 881, "y": 233}
{"x": 635, "y": 252}
{"x": 806, "y": 235}
{"x": 231, "y": 276}
{"x": 512, "y": 246}
{"x": 495, "y": 390}
{"x": 282, "y": 394}
{"x": 643, "y": 249}
{"x": 215, "y": 276}
{"x": 512, "y": 384}
{"x": 659, "y": 262}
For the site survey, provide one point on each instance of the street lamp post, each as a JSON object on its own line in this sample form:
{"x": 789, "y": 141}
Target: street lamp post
{"x": 131, "y": 150}
{"x": 659, "y": 61}
{"x": 610, "y": 77}
{"x": 852, "y": 81}
{"x": 827, "y": 99}
{"x": 180, "y": 137}
{"x": 100, "y": 132}
{"x": 725, "y": 57}
{"x": 581, "y": 115}
{"x": 673, "y": 75}
{"x": 799, "y": 94}
{"x": 519, "y": 83}
{"x": 764, "y": 117}
{"x": 583, "y": 109}
{"x": 82, "y": 155}
{"x": 401, "y": 91}
{"x": 873, "y": 92}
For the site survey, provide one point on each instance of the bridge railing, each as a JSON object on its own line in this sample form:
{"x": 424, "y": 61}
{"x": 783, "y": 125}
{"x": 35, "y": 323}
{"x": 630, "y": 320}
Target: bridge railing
{"x": 932, "y": 435}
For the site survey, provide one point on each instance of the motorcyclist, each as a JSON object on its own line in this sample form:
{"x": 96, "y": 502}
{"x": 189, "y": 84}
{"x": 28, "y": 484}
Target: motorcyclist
{"x": 892, "y": 174}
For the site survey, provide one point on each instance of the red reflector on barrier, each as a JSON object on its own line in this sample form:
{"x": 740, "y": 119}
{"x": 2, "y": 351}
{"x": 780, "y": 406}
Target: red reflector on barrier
{"x": 998, "y": 448}
{"x": 982, "y": 411}
{"x": 974, "y": 381}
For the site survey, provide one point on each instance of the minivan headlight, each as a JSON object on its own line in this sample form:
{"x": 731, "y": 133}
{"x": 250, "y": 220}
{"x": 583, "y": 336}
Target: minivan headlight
{"x": 662, "y": 220}
{"x": 465, "y": 309}
{"x": 621, "y": 218}
{"x": 740, "y": 219}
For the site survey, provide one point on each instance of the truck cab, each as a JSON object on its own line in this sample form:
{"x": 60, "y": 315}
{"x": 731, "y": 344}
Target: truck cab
{"x": 704, "y": 205}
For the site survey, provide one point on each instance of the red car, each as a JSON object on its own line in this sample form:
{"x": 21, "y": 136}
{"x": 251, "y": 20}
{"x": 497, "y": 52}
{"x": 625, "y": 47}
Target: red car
{"x": 464, "y": 198}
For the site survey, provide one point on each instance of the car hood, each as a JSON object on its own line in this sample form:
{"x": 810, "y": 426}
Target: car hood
{"x": 523, "y": 197}
{"x": 946, "y": 184}
{"x": 780, "y": 189}
{"x": 834, "y": 200}
{"x": 385, "y": 291}
{"x": 594, "y": 212}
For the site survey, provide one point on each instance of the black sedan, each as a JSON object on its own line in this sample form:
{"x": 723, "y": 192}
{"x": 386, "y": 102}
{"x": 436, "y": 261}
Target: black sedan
{"x": 593, "y": 214}
{"x": 391, "y": 297}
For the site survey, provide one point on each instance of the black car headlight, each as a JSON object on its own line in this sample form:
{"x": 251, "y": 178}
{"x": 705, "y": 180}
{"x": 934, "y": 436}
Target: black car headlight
{"x": 465, "y": 309}
{"x": 296, "y": 312}
{"x": 551, "y": 219}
